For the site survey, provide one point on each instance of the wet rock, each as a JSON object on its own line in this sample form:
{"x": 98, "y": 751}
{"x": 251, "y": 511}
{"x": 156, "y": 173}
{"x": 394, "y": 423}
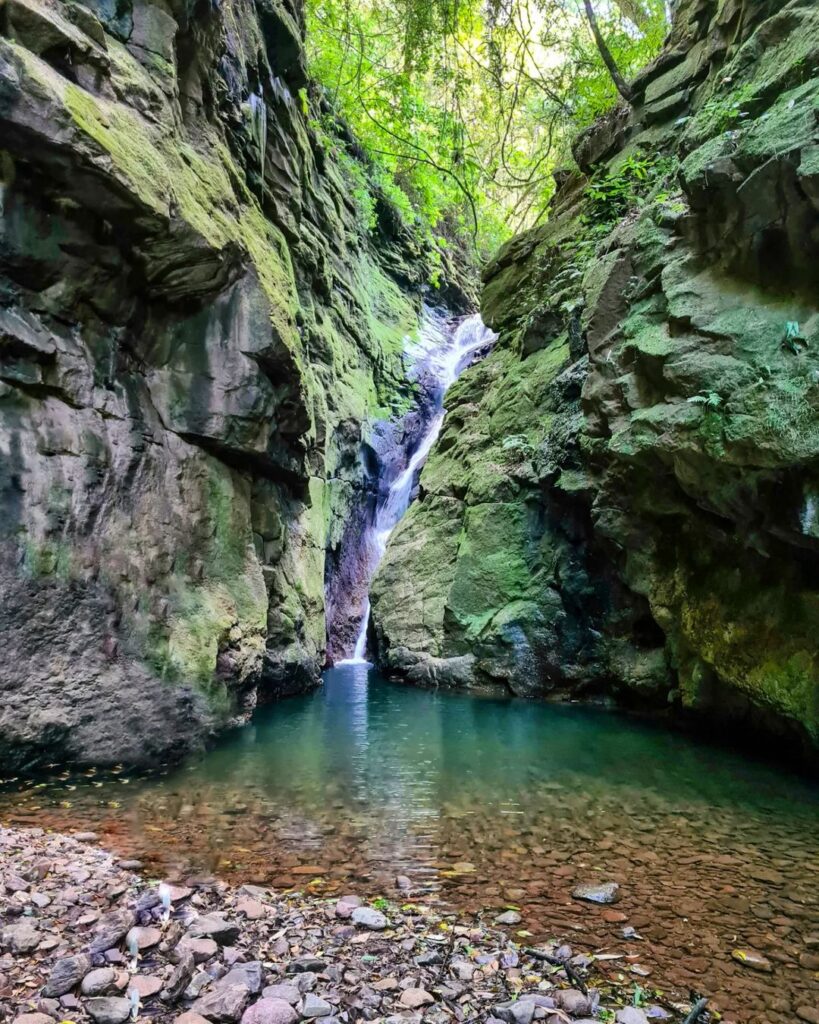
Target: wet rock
{"x": 66, "y": 974}
{"x": 109, "y": 1009}
{"x": 415, "y": 998}
{"x": 750, "y": 958}
{"x": 98, "y": 982}
{"x": 603, "y": 892}
{"x": 509, "y": 917}
{"x": 368, "y": 917}
{"x": 315, "y": 1006}
{"x": 215, "y": 926}
{"x": 270, "y": 1011}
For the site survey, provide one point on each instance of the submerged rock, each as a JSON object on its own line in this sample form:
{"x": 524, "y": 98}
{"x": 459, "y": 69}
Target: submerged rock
{"x": 601, "y": 892}
{"x": 750, "y": 958}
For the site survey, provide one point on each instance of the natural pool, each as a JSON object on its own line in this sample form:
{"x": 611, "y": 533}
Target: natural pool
{"x": 486, "y": 804}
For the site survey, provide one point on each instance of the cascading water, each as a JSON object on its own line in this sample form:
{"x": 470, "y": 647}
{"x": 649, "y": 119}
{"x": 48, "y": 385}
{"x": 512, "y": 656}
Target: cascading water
{"x": 442, "y": 351}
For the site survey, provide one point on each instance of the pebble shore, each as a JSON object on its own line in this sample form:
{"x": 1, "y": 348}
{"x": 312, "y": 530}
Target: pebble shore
{"x": 84, "y": 938}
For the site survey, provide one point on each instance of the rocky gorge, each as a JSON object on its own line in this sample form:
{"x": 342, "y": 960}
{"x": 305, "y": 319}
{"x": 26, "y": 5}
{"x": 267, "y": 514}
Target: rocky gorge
{"x": 622, "y": 500}
{"x": 197, "y": 336}
{"x": 205, "y": 384}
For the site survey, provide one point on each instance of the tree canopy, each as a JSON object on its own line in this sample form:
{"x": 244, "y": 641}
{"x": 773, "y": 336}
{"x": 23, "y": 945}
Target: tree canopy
{"x": 464, "y": 108}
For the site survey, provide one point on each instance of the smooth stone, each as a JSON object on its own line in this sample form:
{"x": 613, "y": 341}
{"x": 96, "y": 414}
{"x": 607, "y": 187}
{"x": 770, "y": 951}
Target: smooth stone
{"x": 809, "y": 1014}
{"x": 415, "y": 998}
{"x": 509, "y": 917}
{"x": 145, "y": 938}
{"x": 403, "y": 882}
{"x": 130, "y": 865}
{"x": 289, "y": 993}
{"x": 189, "y": 1017}
{"x": 147, "y": 985}
{"x": 270, "y": 1011}
{"x": 109, "y": 1009}
{"x": 85, "y": 837}
{"x": 604, "y": 892}
{"x": 368, "y": 917}
{"x": 33, "y": 1018}
{"x": 315, "y": 1006}
{"x": 98, "y": 982}
{"x": 750, "y": 958}
{"x": 66, "y": 974}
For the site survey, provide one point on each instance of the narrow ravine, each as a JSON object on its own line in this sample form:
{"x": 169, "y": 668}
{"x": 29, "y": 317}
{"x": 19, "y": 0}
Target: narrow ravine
{"x": 443, "y": 349}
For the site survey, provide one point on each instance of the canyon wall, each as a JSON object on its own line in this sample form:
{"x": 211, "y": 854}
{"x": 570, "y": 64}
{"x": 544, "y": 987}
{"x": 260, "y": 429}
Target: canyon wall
{"x": 625, "y": 497}
{"x": 196, "y": 332}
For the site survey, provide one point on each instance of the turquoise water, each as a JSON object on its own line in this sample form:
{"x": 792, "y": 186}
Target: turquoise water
{"x": 484, "y": 803}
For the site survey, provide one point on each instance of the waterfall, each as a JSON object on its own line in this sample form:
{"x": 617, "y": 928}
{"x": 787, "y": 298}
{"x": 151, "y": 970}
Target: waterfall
{"x": 441, "y": 352}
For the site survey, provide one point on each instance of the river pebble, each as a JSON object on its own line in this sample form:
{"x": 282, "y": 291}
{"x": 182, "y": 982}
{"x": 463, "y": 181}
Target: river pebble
{"x": 296, "y": 961}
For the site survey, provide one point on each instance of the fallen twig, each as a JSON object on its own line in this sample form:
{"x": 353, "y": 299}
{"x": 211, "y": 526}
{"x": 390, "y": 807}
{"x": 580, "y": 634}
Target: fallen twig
{"x": 696, "y": 1010}
{"x": 571, "y": 974}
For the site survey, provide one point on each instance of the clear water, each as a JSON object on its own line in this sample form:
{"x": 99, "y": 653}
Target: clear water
{"x": 485, "y": 803}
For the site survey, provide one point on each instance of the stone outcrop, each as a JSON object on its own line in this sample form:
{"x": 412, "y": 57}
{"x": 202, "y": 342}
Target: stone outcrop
{"x": 196, "y": 332}
{"x": 624, "y": 497}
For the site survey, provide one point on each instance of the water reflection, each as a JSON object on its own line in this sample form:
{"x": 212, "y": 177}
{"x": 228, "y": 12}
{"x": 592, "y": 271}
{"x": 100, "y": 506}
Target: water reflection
{"x": 486, "y": 802}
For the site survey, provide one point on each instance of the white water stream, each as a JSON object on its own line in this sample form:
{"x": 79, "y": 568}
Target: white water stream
{"x": 443, "y": 349}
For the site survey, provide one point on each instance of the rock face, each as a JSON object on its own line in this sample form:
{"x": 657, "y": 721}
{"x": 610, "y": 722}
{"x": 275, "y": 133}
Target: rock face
{"x": 196, "y": 332}
{"x": 624, "y": 496}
